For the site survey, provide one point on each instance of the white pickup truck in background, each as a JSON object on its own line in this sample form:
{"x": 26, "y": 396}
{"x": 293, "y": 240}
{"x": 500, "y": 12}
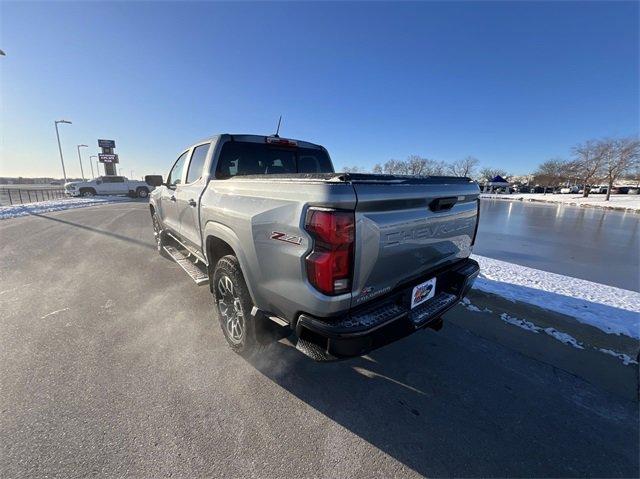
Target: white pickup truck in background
{"x": 108, "y": 185}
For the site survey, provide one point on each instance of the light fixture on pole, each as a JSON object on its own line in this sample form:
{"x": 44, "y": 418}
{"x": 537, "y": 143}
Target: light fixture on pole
{"x": 80, "y": 160}
{"x": 97, "y": 165}
{"x": 64, "y": 173}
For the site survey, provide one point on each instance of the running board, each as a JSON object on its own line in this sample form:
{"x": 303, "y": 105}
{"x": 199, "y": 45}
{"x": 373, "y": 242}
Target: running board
{"x": 196, "y": 274}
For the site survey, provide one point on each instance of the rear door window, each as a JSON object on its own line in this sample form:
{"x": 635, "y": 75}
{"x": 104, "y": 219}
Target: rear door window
{"x": 197, "y": 162}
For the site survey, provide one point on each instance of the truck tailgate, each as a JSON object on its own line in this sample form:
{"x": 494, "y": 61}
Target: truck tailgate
{"x": 405, "y": 230}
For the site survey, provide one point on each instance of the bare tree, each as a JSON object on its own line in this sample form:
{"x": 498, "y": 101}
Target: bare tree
{"x": 551, "y": 173}
{"x": 620, "y": 156}
{"x": 417, "y": 165}
{"x": 354, "y": 169}
{"x": 414, "y": 165}
{"x": 464, "y": 167}
{"x": 587, "y": 163}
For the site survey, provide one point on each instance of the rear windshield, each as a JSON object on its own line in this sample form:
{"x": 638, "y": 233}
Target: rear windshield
{"x": 243, "y": 158}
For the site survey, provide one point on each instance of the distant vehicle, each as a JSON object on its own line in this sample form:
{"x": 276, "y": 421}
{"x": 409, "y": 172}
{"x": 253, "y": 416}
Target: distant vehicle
{"x": 598, "y": 190}
{"x": 569, "y": 190}
{"x": 108, "y": 185}
{"x": 346, "y": 261}
{"x": 620, "y": 190}
{"x": 56, "y": 183}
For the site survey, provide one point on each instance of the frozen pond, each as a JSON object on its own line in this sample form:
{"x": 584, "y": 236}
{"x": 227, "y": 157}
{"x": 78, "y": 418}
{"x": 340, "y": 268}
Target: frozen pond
{"x": 589, "y": 243}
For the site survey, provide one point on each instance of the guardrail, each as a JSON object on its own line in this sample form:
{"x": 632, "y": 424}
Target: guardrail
{"x": 18, "y": 196}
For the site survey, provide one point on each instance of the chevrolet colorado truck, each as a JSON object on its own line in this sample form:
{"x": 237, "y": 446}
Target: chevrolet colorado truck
{"x": 347, "y": 262}
{"x": 108, "y": 185}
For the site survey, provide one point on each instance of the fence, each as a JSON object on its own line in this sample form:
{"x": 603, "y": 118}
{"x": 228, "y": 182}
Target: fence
{"x": 18, "y": 196}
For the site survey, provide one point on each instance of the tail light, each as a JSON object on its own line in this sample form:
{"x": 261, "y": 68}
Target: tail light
{"x": 330, "y": 263}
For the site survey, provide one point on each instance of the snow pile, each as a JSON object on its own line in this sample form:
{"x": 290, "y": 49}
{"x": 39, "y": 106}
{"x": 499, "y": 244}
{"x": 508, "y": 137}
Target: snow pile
{"x": 610, "y": 309}
{"x": 622, "y": 202}
{"x": 16, "y": 211}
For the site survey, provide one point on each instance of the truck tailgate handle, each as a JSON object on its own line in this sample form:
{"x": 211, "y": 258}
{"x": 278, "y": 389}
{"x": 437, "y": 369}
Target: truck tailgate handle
{"x": 192, "y": 202}
{"x": 442, "y": 204}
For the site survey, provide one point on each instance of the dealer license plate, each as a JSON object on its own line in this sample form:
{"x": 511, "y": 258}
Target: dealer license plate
{"x": 423, "y": 292}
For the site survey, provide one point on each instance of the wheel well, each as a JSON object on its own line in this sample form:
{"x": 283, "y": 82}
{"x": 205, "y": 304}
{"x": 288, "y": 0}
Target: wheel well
{"x": 216, "y": 249}
{"x": 87, "y": 188}
{"x": 142, "y": 188}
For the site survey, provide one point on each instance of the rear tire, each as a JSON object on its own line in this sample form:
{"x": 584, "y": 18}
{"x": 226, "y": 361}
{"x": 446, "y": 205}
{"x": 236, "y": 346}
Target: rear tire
{"x": 233, "y": 307}
{"x": 87, "y": 192}
{"x": 142, "y": 193}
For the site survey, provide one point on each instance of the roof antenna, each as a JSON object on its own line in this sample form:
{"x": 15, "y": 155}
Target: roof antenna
{"x": 278, "y": 130}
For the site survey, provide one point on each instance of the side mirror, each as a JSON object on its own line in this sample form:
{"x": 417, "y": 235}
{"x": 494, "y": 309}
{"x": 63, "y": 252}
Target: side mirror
{"x": 153, "y": 180}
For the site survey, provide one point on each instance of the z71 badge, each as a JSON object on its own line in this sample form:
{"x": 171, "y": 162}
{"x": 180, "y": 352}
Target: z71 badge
{"x": 276, "y": 235}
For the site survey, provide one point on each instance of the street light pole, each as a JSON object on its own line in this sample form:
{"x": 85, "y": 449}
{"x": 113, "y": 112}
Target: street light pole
{"x": 97, "y": 167}
{"x": 80, "y": 159}
{"x": 64, "y": 173}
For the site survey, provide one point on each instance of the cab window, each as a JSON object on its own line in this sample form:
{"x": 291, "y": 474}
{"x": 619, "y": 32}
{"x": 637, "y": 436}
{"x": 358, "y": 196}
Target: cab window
{"x": 175, "y": 175}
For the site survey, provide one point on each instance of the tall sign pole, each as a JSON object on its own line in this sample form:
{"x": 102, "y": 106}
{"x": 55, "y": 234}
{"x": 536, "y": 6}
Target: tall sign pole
{"x": 108, "y": 158}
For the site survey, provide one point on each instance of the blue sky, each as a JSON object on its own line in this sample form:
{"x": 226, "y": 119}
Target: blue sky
{"x": 510, "y": 83}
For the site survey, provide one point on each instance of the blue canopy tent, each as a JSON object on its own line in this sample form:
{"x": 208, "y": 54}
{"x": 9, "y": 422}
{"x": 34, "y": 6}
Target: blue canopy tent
{"x": 496, "y": 182}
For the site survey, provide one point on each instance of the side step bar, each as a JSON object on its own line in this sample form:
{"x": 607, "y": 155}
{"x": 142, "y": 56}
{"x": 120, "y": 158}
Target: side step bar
{"x": 197, "y": 275}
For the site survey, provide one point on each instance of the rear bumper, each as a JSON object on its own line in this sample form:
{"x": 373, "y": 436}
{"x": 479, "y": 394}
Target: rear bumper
{"x": 390, "y": 318}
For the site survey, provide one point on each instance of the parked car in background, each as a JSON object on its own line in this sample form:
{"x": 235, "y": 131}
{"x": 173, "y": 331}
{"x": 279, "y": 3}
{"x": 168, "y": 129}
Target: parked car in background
{"x": 108, "y": 185}
{"x": 620, "y": 190}
{"x": 569, "y": 190}
{"x": 598, "y": 190}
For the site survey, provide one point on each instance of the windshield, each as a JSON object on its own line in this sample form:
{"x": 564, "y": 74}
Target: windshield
{"x": 243, "y": 158}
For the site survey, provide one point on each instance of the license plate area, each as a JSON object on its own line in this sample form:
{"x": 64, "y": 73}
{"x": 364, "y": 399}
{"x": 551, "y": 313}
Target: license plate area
{"x": 423, "y": 292}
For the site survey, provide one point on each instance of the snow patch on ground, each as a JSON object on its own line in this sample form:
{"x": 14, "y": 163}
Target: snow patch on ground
{"x": 563, "y": 337}
{"x": 613, "y": 310}
{"x": 472, "y": 307}
{"x": 554, "y": 333}
{"x": 623, "y": 357}
{"x": 26, "y": 209}
{"x": 621, "y": 202}
{"x": 521, "y": 323}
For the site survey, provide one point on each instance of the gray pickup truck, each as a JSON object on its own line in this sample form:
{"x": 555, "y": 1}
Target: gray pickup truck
{"x": 348, "y": 262}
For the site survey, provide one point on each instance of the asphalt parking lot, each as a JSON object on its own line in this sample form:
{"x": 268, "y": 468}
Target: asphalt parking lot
{"x": 113, "y": 364}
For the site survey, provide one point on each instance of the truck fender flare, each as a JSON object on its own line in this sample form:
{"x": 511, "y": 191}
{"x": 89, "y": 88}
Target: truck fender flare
{"x": 226, "y": 234}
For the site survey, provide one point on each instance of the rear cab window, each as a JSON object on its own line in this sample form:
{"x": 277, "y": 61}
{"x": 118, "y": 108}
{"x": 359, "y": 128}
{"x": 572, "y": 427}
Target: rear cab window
{"x": 238, "y": 158}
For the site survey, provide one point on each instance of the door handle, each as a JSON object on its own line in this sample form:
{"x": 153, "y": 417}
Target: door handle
{"x": 192, "y": 203}
{"x": 173, "y": 198}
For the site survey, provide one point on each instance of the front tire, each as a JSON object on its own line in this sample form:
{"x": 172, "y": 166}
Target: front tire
{"x": 87, "y": 192}
{"x": 159, "y": 234}
{"x": 233, "y": 306}
{"x": 143, "y": 193}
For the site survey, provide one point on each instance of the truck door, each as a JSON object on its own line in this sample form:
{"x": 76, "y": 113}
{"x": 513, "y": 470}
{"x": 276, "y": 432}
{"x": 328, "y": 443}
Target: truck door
{"x": 119, "y": 186}
{"x": 188, "y": 197}
{"x": 168, "y": 197}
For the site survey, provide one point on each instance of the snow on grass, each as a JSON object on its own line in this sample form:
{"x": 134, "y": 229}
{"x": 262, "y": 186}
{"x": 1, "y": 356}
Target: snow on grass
{"x": 26, "y": 209}
{"x": 621, "y": 202}
{"x": 613, "y": 310}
